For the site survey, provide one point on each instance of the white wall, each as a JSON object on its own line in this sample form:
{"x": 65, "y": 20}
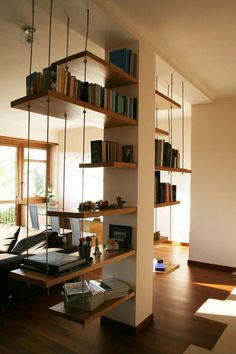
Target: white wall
{"x": 93, "y": 177}
{"x": 213, "y": 192}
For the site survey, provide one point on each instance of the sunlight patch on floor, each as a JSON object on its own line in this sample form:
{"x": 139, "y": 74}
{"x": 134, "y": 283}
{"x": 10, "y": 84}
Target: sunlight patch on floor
{"x": 222, "y": 311}
{"x": 217, "y": 286}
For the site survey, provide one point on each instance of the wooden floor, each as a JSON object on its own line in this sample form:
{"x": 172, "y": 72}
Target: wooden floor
{"x": 30, "y": 328}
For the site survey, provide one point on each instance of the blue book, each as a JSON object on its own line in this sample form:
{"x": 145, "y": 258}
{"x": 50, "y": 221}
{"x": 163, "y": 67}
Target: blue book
{"x": 121, "y": 58}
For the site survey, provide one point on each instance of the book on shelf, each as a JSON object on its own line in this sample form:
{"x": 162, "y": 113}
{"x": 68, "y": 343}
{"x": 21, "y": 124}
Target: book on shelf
{"x": 166, "y": 155}
{"x": 103, "y": 151}
{"x": 164, "y": 192}
{"x": 125, "y": 59}
{"x": 113, "y": 288}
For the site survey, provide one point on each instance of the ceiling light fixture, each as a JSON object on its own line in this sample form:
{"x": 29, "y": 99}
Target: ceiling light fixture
{"x": 28, "y": 34}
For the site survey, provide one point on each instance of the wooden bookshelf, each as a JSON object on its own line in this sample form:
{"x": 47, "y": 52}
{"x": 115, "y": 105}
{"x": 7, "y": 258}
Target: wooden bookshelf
{"x": 165, "y": 102}
{"x": 160, "y": 205}
{"x": 92, "y": 214}
{"x": 172, "y": 169}
{"x": 115, "y": 164}
{"x": 97, "y": 70}
{"x": 61, "y": 105}
{"x": 168, "y": 269}
{"x": 161, "y": 131}
{"x": 46, "y": 281}
{"x": 84, "y": 317}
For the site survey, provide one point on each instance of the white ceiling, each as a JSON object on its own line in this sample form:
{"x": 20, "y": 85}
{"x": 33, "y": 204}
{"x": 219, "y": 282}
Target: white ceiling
{"x": 194, "y": 39}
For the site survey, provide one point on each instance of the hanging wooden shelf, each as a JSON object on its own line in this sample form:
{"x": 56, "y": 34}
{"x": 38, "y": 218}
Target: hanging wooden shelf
{"x": 172, "y": 169}
{"x": 92, "y": 214}
{"x": 161, "y": 240}
{"x": 165, "y": 102}
{"x": 160, "y": 205}
{"x": 115, "y": 164}
{"x": 168, "y": 269}
{"x": 161, "y": 131}
{"x": 61, "y": 105}
{"x": 97, "y": 70}
{"x": 46, "y": 281}
{"x": 85, "y": 317}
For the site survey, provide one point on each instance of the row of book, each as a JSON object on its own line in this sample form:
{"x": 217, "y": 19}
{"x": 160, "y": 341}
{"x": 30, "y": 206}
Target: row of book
{"x": 60, "y": 79}
{"x": 109, "y": 151}
{"x": 125, "y": 59}
{"x": 88, "y": 295}
{"x": 165, "y": 155}
{"x": 164, "y": 192}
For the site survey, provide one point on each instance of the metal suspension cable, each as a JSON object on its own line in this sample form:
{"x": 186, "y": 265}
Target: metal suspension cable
{"x": 28, "y": 130}
{"x": 183, "y": 132}
{"x": 84, "y": 113}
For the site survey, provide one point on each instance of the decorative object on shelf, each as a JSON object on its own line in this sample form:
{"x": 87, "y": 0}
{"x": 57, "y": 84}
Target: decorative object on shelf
{"x": 87, "y": 206}
{"x": 122, "y": 234}
{"x": 127, "y": 153}
{"x": 85, "y": 248}
{"x": 112, "y": 245}
{"x": 158, "y": 265}
{"x": 157, "y": 235}
{"x": 101, "y": 205}
{"x": 97, "y": 252}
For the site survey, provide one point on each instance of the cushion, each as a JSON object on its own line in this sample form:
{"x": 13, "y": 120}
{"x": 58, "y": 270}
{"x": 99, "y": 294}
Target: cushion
{"x": 8, "y": 236}
{"x": 36, "y": 240}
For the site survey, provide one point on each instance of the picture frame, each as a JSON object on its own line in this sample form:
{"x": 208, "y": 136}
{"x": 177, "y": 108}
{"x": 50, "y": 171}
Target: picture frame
{"x": 127, "y": 153}
{"x": 121, "y": 234}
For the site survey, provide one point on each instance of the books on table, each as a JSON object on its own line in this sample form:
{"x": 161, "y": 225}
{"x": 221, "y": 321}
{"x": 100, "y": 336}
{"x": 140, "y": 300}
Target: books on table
{"x": 113, "y": 288}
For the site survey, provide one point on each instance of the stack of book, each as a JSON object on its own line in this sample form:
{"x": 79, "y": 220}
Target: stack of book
{"x": 166, "y": 155}
{"x": 103, "y": 151}
{"x": 164, "y": 192}
{"x": 125, "y": 59}
{"x": 112, "y": 288}
{"x": 82, "y": 295}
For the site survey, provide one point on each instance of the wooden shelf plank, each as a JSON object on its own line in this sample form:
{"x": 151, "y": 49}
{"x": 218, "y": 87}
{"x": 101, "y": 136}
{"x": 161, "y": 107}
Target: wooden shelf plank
{"x": 91, "y": 214}
{"x": 46, "y": 281}
{"x": 161, "y": 239}
{"x": 168, "y": 269}
{"x": 98, "y": 70}
{"x": 164, "y": 102}
{"x": 115, "y": 164}
{"x": 172, "y": 169}
{"x": 85, "y": 317}
{"x": 160, "y": 205}
{"x": 161, "y": 131}
{"x": 61, "y": 105}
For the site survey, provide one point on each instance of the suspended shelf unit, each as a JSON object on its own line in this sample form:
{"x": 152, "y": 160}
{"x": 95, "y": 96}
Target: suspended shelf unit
{"x": 172, "y": 169}
{"x": 115, "y": 164}
{"x": 162, "y": 239}
{"x": 85, "y": 317}
{"x": 98, "y": 70}
{"x": 161, "y": 131}
{"x": 92, "y": 214}
{"x": 165, "y": 102}
{"x": 46, "y": 281}
{"x": 168, "y": 269}
{"x": 61, "y": 105}
{"x": 160, "y": 205}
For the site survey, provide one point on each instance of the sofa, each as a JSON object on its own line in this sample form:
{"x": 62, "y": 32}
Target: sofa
{"x": 15, "y": 244}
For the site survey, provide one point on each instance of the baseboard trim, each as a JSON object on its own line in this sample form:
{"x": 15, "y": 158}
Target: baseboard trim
{"x": 125, "y": 327}
{"x": 212, "y": 266}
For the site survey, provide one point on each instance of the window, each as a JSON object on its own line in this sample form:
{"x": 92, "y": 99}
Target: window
{"x": 14, "y": 157}
{"x": 37, "y": 172}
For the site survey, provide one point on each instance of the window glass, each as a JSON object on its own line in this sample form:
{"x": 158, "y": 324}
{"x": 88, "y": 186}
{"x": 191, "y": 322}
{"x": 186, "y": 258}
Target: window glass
{"x": 35, "y": 154}
{"x": 37, "y": 179}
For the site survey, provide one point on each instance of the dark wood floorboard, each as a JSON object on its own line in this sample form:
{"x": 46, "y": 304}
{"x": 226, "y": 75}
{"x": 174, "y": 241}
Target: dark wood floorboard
{"x": 30, "y": 328}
